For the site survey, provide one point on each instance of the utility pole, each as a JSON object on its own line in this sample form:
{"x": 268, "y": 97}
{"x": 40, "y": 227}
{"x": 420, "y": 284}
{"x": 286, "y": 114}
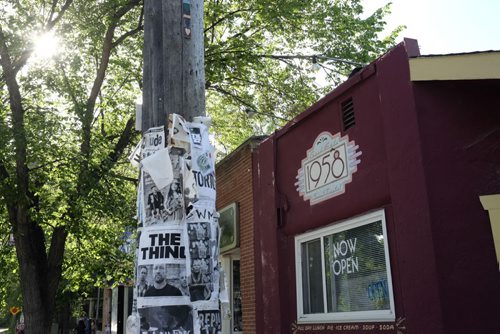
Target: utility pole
{"x": 174, "y": 69}
{"x": 178, "y": 232}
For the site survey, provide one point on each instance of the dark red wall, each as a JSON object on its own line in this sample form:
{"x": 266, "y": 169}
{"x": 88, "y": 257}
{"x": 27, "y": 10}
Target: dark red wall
{"x": 460, "y": 131}
{"x": 408, "y": 144}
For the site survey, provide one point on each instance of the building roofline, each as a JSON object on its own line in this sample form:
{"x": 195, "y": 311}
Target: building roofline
{"x": 252, "y": 141}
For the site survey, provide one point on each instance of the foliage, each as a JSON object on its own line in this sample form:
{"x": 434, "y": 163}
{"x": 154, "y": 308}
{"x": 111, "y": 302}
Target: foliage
{"x": 10, "y": 293}
{"x": 258, "y": 57}
{"x": 65, "y": 125}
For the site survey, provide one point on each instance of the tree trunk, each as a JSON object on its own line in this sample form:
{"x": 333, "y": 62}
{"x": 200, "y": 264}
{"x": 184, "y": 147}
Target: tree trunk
{"x": 40, "y": 274}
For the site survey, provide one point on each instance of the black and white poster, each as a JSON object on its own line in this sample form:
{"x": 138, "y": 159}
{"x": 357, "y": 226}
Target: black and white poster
{"x": 162, "y": 244}
{"x": 161, "y": 270}
{"x": 202, "y": 161}
{"x": 152, "y": 141}
{"x": 173, "y": 319}
{"x": 210, "y": 322}
{"x": 203, "y": 259}
{"x": 164, "y": 204}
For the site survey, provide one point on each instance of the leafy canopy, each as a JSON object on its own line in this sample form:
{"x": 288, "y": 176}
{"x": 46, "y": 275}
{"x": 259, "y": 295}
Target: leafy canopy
{"x": 69, "y": 133}
{"x": 258, "y": 57}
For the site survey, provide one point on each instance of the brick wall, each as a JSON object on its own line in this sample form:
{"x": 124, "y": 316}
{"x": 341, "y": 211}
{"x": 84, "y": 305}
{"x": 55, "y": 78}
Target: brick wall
{"x": 234, "y": 184}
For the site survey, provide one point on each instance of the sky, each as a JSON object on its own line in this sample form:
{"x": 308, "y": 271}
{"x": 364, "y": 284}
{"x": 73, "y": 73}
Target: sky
{"x": 445, "y": 26}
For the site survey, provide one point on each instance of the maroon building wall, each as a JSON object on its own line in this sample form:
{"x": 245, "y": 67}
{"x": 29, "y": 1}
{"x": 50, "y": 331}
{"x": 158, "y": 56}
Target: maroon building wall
{"x": 460, "y": 131}
{"x": 400, "y": 168}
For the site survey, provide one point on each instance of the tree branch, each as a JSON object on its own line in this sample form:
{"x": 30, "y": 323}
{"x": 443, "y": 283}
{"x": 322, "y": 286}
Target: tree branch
{"x": 19, "y": 132}
{"x": 52, "y": 10}
{"x": 232, "y": 95}
{"x": 140, "y": 27}
{"x": 125, "y": 178}
{"x": 71, "y": 92}
{"x": 96, "y": 87}
{"x": 129, "y": 33}
{"x": 52, "y": 22}
{"x": 228, "y": 15}
{"x": 4, "y": 173}
{"x": 120, "y": 146}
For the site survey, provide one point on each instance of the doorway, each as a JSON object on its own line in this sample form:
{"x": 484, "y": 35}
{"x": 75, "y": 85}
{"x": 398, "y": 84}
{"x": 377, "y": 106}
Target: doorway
{"x": 232, "y": 320}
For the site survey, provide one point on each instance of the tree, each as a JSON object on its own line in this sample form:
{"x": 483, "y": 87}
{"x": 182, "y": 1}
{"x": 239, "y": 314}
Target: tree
{"x": 66, "y": 192}
{"x": 258, "y": 57}
{"x": 63, "y": 132}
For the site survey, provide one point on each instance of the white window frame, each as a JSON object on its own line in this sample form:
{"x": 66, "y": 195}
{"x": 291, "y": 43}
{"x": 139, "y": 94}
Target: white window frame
{"x": 356, "y": 316}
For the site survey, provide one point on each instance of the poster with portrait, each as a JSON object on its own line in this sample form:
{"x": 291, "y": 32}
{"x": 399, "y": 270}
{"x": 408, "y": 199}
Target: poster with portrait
{"x": 161, "y": 266}
{"x": 203, "y": 263}
{"x": 164, "y": 202}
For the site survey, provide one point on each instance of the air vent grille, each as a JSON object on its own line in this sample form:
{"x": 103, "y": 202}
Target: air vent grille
{"x": 348, "y": 119}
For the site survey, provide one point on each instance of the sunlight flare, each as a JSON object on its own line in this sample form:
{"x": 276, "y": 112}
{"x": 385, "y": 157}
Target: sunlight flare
{"x": 46, "y": 46}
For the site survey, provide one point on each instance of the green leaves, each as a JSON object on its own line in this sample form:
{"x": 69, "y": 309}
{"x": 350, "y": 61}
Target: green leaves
{"x": 78, "y": 176}
{"x": 255, "y": 57}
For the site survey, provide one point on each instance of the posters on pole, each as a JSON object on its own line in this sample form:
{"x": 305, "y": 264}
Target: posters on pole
{"x": 178, "y": 275}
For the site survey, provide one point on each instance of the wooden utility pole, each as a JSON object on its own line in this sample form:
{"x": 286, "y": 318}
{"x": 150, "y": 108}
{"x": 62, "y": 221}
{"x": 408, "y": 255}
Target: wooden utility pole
{"x": 174, "y": 69}
{"x": 174, "y": 82}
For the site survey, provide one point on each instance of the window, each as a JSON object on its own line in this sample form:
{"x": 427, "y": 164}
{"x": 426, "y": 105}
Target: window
{"x": 229, "y": 226}
{"x": 343, "y": 272}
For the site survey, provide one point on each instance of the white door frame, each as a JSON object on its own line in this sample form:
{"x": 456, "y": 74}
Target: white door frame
{"x": 227, "y": 314}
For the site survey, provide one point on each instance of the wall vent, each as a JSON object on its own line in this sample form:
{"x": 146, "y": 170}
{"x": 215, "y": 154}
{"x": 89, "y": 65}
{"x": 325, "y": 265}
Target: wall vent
{"x": 348, "y": 119}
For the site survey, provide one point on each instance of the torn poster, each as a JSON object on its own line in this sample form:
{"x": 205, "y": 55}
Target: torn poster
{"x": 210, "y": 322}
{"x": 164, "y": 205}
{"x": 135, "y": 156}
{"x": 159, "y": 168}
{"x": 201, "y": 149}
{"x": 178, "y": 134}
{"x": 203, "y": 256}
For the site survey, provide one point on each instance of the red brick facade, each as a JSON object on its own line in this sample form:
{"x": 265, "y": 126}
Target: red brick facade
{"x": 234, "y": 184}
